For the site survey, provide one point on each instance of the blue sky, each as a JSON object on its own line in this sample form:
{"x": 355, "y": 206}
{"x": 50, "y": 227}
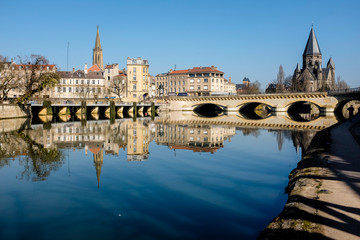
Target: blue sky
{"x": 241, "y": 38}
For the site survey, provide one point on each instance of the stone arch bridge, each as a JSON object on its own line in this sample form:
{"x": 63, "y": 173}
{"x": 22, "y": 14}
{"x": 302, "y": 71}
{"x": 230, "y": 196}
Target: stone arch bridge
{"x": 327, "y": 102}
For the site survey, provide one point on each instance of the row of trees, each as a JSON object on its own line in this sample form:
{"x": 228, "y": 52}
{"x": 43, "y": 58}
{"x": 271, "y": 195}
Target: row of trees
{"x": 28, "y": 77}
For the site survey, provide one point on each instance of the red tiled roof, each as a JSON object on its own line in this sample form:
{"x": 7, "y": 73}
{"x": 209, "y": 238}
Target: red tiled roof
{"x": 94, "y": 68}
{"x": 23, "y": 66}
{"x": 204, "y": 69}
{"x": 197, "y": 70}
{"x": 179, "y": 71}
{"x": 95, "y": 150}
{"x": 196, "y": 149}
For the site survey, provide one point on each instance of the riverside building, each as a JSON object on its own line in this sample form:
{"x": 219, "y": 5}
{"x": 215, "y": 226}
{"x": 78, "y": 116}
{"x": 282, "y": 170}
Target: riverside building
{"x": 198, "y": 81}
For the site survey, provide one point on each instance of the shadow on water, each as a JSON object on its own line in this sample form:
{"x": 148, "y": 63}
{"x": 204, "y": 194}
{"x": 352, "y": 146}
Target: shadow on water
{"x": 209, "y": 111}
{"x": 255, "y": 111}
{"x": 303, "y": 112}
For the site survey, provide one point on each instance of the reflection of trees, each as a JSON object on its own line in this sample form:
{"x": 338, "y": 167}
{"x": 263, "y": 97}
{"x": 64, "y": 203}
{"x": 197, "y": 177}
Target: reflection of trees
{"x": 301, "y": 139}
{"x": 249, "y": 131}
{"x": 39, "y": 161}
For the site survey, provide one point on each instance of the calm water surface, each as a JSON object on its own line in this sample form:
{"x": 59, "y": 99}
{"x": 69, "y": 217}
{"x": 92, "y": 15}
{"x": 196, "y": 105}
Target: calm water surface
{"x": 143, "y": 179}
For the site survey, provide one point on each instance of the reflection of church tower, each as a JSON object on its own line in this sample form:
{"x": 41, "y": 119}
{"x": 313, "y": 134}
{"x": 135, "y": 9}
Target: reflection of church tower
{"x": 98, "y": 161}
{"x": 97, "y": 52}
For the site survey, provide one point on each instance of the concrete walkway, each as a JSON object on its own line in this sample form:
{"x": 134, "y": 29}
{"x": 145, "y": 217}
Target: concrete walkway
{"x": 324, "y": 190}
{"x": 340, "y": 203}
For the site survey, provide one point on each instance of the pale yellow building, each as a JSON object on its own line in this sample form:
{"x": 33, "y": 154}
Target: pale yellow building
{"x": 138, "y": 79}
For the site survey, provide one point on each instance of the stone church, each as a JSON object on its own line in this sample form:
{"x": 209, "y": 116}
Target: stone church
{"x": 312, "y": 77}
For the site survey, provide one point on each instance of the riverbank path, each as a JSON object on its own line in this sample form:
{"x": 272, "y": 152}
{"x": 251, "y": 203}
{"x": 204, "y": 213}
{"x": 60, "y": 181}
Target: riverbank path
{"x": 340, "y": 208}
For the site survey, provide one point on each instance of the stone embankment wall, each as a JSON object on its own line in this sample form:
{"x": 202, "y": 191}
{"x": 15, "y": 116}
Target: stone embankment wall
{"x": 14, "y": 111}
{"x": 299, "y": 218}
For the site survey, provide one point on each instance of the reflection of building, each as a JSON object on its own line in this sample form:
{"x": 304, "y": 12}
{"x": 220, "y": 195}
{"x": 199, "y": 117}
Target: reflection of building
{"x": 199, "y": 138}
{"x": 97, "y": 148}
{"x": 138, "y": 141}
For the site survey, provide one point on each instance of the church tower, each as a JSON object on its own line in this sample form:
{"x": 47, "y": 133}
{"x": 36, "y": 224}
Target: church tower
{"x": 312, "y": 57}
{"x": 97, "y": 52}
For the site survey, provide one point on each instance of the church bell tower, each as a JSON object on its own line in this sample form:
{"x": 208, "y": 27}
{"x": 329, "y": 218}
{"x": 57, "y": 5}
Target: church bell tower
{"x": 97, "y": 52}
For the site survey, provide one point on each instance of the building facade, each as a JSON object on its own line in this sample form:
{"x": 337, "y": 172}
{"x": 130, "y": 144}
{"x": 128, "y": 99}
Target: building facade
{"x": 80, "y": 85}
{"x": 138, "y": 79}
{"x": 312, "y": 77}
{"x": 198, "y": 81}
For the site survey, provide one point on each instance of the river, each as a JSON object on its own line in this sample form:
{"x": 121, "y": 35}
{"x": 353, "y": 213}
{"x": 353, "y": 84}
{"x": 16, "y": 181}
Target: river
{"x": 167, "y": 178}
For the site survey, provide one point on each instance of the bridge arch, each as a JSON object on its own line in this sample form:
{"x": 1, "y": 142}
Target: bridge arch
{"x": 253, "y": 111}
{"x": 300, "y": 112}
{"x": 341, "y": 114}
{"x": 209, "y": 109}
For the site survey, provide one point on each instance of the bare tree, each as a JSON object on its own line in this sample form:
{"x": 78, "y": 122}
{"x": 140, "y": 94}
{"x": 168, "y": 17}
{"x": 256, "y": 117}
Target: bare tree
{"x": 254, "y": 87}
{"x": 341, "y": 84}
{"x": 280, "y": 80}
{"x": 35, "y": 76}
{"x": 9, "y": 79}
{"x": 288, "y": 82}
{"x": 117, "y": 86}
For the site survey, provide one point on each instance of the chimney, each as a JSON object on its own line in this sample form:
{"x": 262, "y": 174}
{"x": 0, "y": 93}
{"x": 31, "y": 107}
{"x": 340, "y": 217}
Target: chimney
{"x": 229, "y": 79}
{"x": 85, "y": 69}
{"x": 73, "y": 70}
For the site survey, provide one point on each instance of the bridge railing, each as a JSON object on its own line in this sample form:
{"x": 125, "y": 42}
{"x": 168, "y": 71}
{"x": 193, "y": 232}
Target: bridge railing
{"x": 344, "y": 91}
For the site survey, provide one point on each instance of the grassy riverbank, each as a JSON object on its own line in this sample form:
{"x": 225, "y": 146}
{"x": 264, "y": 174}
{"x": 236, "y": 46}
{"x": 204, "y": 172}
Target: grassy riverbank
{"x": 316, "y": 188}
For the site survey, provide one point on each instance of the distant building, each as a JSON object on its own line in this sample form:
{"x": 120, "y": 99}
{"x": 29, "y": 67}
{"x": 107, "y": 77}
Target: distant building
{"x": 243, "y": 87}
{"x": 138, "y": 79}
{"x": 312, "y": 77}
{"x": 198, "y": 81}
{"x": 97, "y": 52}
{"x": 79, "y": 85}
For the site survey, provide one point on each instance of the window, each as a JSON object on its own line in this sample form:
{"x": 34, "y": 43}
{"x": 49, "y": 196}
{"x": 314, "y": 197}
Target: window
{"x": 198, "y": 87}
{"x": 134, "y": 95}
{"x": 93, "y": 81}
{"x": 77, "y": 81}
{"x": 82, "y": 81}
{"x": 134, "y": 69}
{"x": 191, "y": 87}
{"x": 134, "y": 78}
{"x": 64, "y": 89}
{"x": 59, "y": 89}
{"x": 88, "y": 82}
{"x": 134, "y": 86}
{"x": 198, "y": 80}
{"x": 183, "y": 82}
{"x": 191, "y": 80}
{"x": 206, "y": 80}
{"x": 205, "y": 87}
{"x": 69, "y": 89}
{"x": 212, "y": 80}
{"x": 108, "y": 77}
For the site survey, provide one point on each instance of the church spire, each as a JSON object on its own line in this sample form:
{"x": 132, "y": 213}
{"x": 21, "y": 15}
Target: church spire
{"x": 312, "y": 46}
{"x": 97, "y": 41}
{"x": 97, "y": 52}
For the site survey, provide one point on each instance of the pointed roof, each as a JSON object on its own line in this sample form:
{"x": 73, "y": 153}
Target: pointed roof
{"x": 94, "y": 68}
{"x": 312, "y": 46}
{"x": 97, "y": 41}
{"x": 297, "y": 68}
{"x": 331, "y": 63}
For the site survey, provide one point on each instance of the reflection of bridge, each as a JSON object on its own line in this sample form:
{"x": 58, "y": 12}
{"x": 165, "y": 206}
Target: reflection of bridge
{"x": 326, "y": 102}
{"x": 93, "y": 106}
{"x": 272, "y": 122}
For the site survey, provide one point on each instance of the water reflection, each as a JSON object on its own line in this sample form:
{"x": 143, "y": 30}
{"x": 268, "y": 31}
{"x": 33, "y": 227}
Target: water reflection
{"x": 41, "y": 144}
{"x": 178, "y": 176}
